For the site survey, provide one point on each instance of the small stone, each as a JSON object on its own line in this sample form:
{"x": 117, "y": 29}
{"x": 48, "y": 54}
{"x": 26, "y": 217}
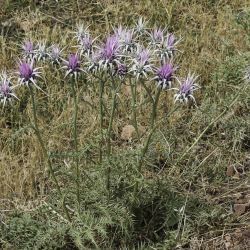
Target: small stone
{"x": 128, "y": 133}
{"x": 227, "y": 244}
{"x": 127, "y": 90}
{"x": 230, "y": 171}
{"x": 240, "y": 209}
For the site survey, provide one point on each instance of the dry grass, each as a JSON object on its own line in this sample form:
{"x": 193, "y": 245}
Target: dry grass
{"x": 213, "y": 38}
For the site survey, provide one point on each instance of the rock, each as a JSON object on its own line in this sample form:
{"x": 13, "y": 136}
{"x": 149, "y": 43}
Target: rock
{"x": 128, "y": 133}
{"x": 230, "y": 171}
{"x": 240, "y": 209}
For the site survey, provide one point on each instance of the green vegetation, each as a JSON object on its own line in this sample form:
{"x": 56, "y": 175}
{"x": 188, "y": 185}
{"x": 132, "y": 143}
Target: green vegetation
{"x": 196, "y": 170}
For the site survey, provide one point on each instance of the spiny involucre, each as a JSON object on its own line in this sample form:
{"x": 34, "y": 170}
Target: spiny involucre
{"x": 72, "y": 65}
{"x": 164, "y": 75}
{"x": 186, "y": 89}
{"x": 27, "y": 73}
{"x": 6, "y": 89}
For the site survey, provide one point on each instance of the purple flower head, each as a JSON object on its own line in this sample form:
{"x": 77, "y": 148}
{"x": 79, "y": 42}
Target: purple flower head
{"x": 41, "y": 51}
{"x": 6, "y": 90}
{"x": 27, "y": 73}
{"x": 128, "y": 41}
{"x": 109, "y": 52}
{"x": 169, "y": 47}
{"x": 28, "y": 49}
{"x": 119, "y": 32}
{"x": 55, "y": 54}
{"x": 157, "y": 36}
{"x": 141, "y": 66}
{"x": 126, "y": 38}
{"x": 140, "y": 27}
{"x": 121, "y": 70}
{"x": 186, "y": 89}
{"x": 81, "y": 32}
{"x": 86, "y": 44}
{"x": 164, "y": 75}
{"x": 93, "y": 62}
{"x": 247, "y": 74}
{"x": 72, "y": 65}
{"x": 143, "y": 57}
{"x": 110, "y": 48}
{"x": 170, "y": 40}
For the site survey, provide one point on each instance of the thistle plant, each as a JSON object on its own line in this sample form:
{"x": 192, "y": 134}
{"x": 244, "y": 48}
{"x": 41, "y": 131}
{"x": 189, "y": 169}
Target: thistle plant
{"x": 72, "y": 65}
{"x": 126, "y": 39}
{"x": 121, "y": 70}
{"x": 6, "y": 89}
{"x": 186, "y": 89}
{"x": 81, "y": 31}
{"x": 134, "y": 55}
{"x": 86, "y": 44}
{"x": 142, "y": 66}
{"x": 55, "y": 54}
{"x": 168, "y": 47}
{"x": 108, "y": 55}
{"x": 28, "y": 49}
{"x": 41, "y": 53}
{"x": 157, "y": 37}
{"x": 140, "y": 26}
{"x": 115, "y": 90}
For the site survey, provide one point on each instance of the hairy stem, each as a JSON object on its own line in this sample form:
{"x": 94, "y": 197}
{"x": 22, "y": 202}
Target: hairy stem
{"x": 101, "y": 113}
{"x": 148, "y": 141}
{"x": 134, "y": 115}
{"x": 45, "y": 152}
{"x": 154, "y": 108}
{"x": 75, "y": 135}
{"x": 115, "y": 90}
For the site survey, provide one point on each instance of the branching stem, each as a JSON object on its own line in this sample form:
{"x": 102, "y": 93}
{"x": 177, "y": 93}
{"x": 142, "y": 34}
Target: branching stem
{"x": 45, "y": 152}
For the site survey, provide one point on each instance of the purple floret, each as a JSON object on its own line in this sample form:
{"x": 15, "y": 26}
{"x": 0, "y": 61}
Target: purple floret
{"x": 164, "y": 75}
{"x": 110, "y": 49}
{"x": 186, "y": 89}
{"x": 27, "y": 73}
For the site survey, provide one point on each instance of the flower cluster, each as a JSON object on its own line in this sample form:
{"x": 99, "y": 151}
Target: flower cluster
{"x": 136, "y": 52}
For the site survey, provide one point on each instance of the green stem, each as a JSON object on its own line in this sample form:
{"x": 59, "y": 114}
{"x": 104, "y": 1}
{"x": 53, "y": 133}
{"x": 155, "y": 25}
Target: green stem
{"x": 146, "y": 146}
{"x": 111, "y": 119}
{"x": 148, "y": 91}
{"x": 101, "y": 113}
{"x": 114, "y": 95}
{"x": 154, "y": 108}
{"x": 45, "y": 152}
{"x": 76, "y": 144}
{"x": 134, "y": 116}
